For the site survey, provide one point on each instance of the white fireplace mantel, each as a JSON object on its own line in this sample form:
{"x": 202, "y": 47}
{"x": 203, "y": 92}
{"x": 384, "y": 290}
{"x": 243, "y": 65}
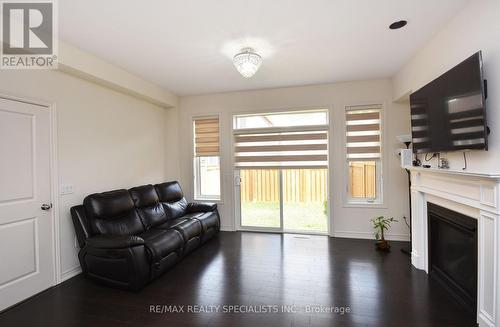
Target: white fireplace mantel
{"x": 476, "y": 195}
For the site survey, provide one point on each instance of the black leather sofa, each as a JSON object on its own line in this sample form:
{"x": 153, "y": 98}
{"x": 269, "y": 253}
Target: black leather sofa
{"x": 128, "y": 238}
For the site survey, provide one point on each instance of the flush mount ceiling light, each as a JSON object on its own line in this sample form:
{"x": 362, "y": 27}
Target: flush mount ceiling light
{"x": 398, "y": 24}
{"x": 247, "y": 62}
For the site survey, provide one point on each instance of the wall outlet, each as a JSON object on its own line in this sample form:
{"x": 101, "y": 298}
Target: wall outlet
{"x": 66, "y": 189}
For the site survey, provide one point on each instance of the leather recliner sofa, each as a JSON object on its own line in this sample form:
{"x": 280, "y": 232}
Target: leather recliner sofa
{"x": 129, "y": 237}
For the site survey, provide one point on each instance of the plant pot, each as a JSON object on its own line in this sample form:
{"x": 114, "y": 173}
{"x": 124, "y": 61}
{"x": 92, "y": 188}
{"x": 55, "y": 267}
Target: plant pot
{"x": 383, "y": 245}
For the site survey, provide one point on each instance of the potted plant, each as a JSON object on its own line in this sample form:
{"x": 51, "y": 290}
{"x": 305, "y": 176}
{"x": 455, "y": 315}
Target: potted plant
{"x": 381, "y": 224}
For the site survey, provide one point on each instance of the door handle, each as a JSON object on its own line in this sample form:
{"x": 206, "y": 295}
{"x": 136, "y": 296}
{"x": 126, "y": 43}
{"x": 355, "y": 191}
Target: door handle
{"x": 46, "y": 206}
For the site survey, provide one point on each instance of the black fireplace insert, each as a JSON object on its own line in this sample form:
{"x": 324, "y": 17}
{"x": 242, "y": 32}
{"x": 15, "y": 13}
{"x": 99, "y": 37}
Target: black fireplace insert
{"x": 453, "y": 253}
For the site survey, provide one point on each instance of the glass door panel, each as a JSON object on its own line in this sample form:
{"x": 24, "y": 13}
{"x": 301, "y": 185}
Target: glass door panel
{"x": 305, "y": 200}
{"x": 260, "y": 198}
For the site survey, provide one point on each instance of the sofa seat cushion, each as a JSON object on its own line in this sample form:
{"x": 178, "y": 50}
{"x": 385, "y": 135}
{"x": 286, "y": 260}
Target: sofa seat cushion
{"x": 161, "y": 243}
{"x": 171, "y": 223}
{"x": 208, "y": 220}
{"x": 201, "y": 207}
{"x": 189, "y": 228}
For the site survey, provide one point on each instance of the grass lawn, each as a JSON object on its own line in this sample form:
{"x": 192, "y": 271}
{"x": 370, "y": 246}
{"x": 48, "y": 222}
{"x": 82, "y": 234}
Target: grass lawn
{"x": 296, "y": 216}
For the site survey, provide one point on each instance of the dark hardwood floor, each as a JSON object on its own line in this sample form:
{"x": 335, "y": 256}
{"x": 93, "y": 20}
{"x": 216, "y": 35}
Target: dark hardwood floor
{"x": 257, "y": 270}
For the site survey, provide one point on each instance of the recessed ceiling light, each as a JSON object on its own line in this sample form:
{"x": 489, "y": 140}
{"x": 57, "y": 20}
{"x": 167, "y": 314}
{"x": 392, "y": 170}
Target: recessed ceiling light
{"x": 398, "y": 24}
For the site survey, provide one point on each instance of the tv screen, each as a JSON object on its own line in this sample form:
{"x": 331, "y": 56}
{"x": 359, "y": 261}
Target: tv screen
{"x": 449, "y": 113}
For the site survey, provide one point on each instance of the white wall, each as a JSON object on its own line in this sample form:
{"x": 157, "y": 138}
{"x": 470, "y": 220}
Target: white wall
{"x": 106, "y": 140}
{"x": 348, "y": 222}
{"x": 476, "y": 27}
{"x": 87, "y": 66}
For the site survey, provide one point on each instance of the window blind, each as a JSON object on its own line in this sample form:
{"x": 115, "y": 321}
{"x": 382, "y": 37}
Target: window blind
{"x": 363, "y": 136}
{"x": 206, "y": 137}
{"x": 298, "y": 149}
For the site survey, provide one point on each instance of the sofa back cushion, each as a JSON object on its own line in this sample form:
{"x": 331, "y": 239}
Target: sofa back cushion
{"x": 148, "y": 205}
{"x": 172, "y": 199}
{"x": 113, "y": 213}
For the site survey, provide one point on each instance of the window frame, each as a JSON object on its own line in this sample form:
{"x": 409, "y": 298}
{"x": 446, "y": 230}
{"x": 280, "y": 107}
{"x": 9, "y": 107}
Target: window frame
{"x": 237, "y": 129}
{"x": 196, "y": 169}
{"x": 378, "y": 201}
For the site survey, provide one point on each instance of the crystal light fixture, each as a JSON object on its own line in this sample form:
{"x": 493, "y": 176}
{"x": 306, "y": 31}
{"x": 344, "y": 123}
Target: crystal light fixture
{"x": 247, "y": 62}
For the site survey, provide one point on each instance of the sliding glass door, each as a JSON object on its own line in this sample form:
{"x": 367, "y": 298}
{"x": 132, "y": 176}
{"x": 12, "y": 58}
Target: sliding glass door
{"x": 292, "y": 200}
{"x": 260, "y": 198}
{"x": 305, "y": 200}
{"x": 281, "y": 164}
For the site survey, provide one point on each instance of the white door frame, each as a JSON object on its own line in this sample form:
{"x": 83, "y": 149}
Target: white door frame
{"x": 54, "y": 176}
{"x": 237, "y": 181}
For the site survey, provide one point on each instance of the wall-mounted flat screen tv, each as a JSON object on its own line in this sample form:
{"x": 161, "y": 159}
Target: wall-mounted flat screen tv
{"x": 449, "y": 113}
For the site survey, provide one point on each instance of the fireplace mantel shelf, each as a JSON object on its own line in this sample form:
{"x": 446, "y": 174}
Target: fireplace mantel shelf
{"x": 454, "y": 172}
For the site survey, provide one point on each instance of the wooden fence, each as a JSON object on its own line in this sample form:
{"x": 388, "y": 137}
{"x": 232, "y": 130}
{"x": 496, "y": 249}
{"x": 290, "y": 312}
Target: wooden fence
{"x": 362, "y": 177}
{"x": 299, "y": 185}
{"x": 304, "y": 185}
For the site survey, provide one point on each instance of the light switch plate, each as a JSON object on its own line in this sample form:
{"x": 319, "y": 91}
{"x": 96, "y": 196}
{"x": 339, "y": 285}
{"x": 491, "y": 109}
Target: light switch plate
{"x": 66, "y": 189}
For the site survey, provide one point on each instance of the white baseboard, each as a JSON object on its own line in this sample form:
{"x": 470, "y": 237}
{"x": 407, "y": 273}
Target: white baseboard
{"x": 370, "y": 236}
{"x": 346, "y": 234}
{"x": 69, "y": 273}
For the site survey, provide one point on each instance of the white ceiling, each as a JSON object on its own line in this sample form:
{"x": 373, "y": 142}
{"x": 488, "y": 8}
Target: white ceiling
{"x": 186, "y": 45}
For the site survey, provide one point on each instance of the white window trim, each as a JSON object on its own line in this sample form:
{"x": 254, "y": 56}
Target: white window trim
{"x": 379, "y": 202}
{"x": 195, "y": 182}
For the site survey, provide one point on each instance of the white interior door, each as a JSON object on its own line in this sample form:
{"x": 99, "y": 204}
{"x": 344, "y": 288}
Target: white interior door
{"x": 26, "y": 230}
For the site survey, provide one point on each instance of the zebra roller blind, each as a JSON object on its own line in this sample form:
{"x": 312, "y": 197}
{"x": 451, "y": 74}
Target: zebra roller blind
{"x": 363, "y": 133}
{"x": 206, "y": 137}
{"x": 270, "y": 148}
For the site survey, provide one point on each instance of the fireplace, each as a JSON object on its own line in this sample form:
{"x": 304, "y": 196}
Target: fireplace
{"x": 452, "y": 247}
{"x": 471, "y": 196}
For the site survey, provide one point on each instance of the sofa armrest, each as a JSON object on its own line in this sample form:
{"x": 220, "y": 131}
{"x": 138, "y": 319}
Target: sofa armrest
{"x": 201, "y": 207}
{"x": 118, "y": 261}
{"x": 81, "y": 224}
{"x": 114, "y": 242}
